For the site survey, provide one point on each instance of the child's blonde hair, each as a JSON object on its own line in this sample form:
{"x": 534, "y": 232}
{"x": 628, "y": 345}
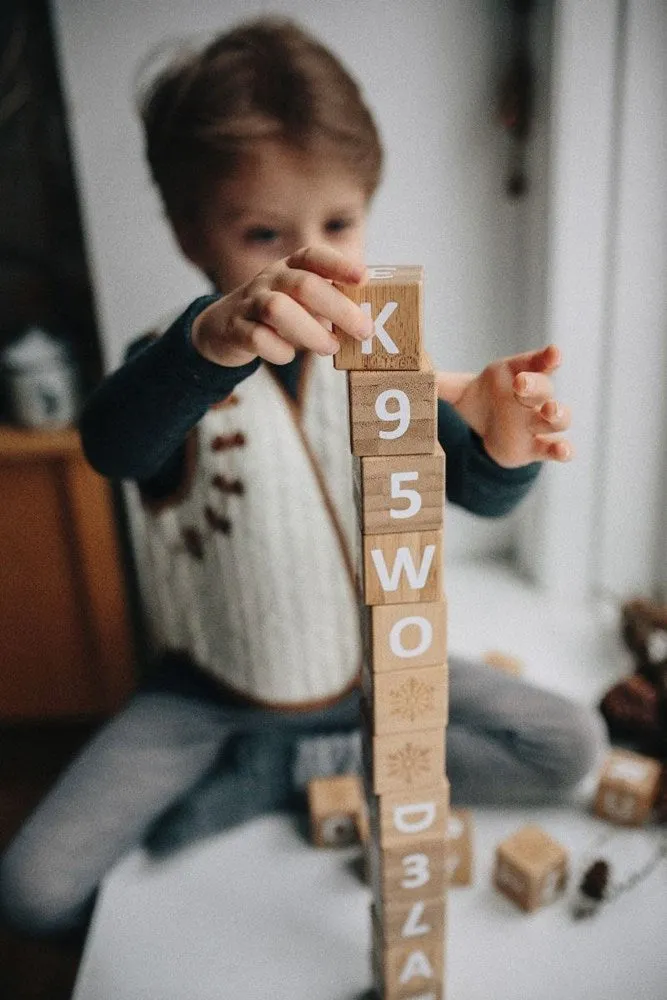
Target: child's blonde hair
{"x": 264, "y": 79}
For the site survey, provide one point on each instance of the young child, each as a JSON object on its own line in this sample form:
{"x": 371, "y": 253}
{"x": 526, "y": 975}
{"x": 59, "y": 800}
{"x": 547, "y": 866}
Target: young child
{"x": 232, "y": 424}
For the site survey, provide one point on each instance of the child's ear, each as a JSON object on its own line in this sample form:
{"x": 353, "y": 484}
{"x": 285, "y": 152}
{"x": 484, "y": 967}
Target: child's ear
{"x": 191, "y": 243}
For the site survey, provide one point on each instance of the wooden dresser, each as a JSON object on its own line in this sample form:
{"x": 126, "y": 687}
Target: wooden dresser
{"x": 66, "y": 642}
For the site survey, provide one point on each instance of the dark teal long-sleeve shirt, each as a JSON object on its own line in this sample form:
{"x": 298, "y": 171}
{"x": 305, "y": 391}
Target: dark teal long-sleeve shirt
{"x": 135, "y": 424}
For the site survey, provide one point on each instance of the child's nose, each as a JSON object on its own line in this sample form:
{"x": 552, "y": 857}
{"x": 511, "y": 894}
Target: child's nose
{"x": 310, "y": 236}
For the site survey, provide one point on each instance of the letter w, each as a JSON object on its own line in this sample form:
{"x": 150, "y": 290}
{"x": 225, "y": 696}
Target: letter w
{"x": 403, "y": 561}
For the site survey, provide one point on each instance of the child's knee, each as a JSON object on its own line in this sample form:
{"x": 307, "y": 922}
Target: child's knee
{"x": 34, "y": 898}
{"x": 582, "y": 746}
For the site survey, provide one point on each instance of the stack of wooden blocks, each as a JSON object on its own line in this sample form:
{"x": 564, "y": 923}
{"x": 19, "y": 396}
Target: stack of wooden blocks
{"x": 400, "y": 484}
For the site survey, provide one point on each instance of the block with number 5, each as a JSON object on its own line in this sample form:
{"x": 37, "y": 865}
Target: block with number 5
{"x": 401, "y": 493}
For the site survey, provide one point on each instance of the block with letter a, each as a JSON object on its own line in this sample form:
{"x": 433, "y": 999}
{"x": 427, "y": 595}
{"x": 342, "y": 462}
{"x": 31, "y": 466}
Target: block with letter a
{"x": 393, "y": 297}
{"x": 399, "y": 477}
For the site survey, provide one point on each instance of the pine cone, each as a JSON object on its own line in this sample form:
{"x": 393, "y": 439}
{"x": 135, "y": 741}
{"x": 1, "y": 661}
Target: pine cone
{"x": 632, "y": 711}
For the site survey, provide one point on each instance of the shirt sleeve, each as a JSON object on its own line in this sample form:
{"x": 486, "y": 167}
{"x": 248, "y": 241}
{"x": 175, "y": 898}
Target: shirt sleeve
{"x": 135, "y": 423}
{"x": 473, "y": 480}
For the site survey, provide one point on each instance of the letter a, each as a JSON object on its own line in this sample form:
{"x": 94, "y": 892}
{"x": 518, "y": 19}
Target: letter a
{"x": 416, "y": 965}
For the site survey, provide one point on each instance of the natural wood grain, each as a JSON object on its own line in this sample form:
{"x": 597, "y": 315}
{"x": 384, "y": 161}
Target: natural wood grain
{"x": 393, "y": 413}
{"x": 400, "y": 493}
{"x": 394, "y": 298}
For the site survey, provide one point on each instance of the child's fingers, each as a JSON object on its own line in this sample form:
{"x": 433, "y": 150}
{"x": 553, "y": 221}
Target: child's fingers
{"x": 552, "y": 449}
{"x": 546, "y": 360}
{"x": 264, "y": 342}
{"x": 280, "y": 313}
{"x": 532, "y": 388}
{"x": 451, "y": 385}
{"x": 328, "y": 263}
{"x": 552, "y": 417}
{"x": 320, "y": 298}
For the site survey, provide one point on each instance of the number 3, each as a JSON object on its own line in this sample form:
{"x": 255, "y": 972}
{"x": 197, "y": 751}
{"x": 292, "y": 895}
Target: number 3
{"x": 412, "y": 496}
{"x": 402, "y": 414}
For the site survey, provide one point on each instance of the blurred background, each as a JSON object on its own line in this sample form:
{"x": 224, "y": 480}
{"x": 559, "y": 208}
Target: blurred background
{"x": 526, "y": 170}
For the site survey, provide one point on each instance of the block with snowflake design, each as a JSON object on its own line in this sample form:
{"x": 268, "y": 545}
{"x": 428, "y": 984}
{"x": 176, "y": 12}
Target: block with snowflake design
{"x": 398, "y": 762}
{"x": 405, "y": 700}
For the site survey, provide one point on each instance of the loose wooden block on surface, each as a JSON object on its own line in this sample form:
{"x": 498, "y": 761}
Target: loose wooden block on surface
{"x": 338, "y": 811}
{"x": 398, "y": 636}
{"x": 530, "y": 868}
{"x": 628, "y": 788}
{"x": 401, "y": 569}
{"x": 400, "y": 492}
{"x": 393, "y": 297}
{"x": 408, "y": 872}
{"x": 504, "y": 661}
{"x": 459, "y": 861}
{"x": 405, "y": 700}
{"x": 393, "y": 414}
{"x": 402, "y": 762}
{"x": 405, "y": 818}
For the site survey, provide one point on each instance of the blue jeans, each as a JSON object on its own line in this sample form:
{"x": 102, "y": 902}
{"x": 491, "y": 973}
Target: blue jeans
{"x": 183, "y": 756}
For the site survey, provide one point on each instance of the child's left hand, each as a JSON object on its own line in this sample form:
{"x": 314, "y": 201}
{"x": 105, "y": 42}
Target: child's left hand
{"x": 511, "y": 406}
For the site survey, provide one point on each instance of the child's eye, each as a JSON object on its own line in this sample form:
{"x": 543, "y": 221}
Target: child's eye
{"x": 261, "y": 234}
{"x": 338, "y": 225}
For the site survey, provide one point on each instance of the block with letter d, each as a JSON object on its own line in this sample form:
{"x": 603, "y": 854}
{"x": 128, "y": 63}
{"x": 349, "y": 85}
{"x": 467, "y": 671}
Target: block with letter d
{"x": 403, "y": 818}
{"x": 393, "y": 297}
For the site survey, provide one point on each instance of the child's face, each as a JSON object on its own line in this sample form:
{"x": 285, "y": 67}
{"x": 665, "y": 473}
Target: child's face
{"x": 279, "y": 200}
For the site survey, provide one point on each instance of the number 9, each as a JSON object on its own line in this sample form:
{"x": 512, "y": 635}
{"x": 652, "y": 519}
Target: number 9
{"x": 401, "y": 414}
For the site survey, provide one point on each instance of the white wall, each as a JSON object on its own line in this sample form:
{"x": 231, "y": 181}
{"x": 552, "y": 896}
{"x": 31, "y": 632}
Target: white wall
{"x": 632, "y": 548}
{"x": 599, "y": 527}
{"x": 429, "y": 70}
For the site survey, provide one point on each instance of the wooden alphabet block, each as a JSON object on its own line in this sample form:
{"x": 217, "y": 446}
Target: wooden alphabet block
{"x": 409, "y": 971}
{"x": 503, "y": 661}
{"x": 393, "y": 297}
{"x": 405, "y": 700}
{"x": 628, "y": 788}
{"x": 401, "y": 569}
{"x": 338, "y": 811}
{"x": 393, "y": 414}
{"x": 400, "y": 492}
{"x": 398, "y": 636}
{"x": 459, "y": 847}
{"x": 530, "y": 868}
{"x": 402, "y": 819}
{"x": 403, "y": 762}
{"x": 409, "y": 872}
{"x": 421, "y": 919}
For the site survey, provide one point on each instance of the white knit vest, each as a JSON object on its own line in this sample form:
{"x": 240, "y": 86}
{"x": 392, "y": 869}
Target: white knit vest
{"x": 251, "y": 565}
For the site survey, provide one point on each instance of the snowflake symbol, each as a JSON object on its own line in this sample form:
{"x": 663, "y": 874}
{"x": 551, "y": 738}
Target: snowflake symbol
{"x": 409, "y": 763}
{"x": 412, "y": 699}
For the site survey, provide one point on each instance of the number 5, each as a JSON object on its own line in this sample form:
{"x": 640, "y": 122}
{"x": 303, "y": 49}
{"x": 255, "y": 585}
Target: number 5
{"x": 398, "y": 493}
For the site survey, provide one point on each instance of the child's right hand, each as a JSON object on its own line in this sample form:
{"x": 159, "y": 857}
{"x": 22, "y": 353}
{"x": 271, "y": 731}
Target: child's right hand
{"x": 283, "y": 310}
